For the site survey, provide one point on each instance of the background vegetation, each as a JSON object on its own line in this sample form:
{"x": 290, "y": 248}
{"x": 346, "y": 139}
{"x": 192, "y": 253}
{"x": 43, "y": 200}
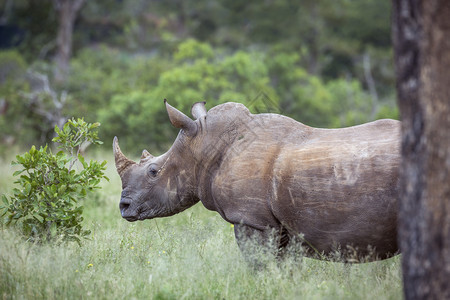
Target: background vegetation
{"x": 324, "y": 63}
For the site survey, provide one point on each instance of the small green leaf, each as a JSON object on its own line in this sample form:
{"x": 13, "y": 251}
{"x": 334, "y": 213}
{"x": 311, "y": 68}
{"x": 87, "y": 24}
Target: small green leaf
{"x": 20, "y": 159}
{"x": 5, "y": 200}
{"x": 3, "y": 214}
{"x": 62, "y": 189}
{"x": 27, "y": 188}
{"x": 38, "y": 217}
{"x": 67, "y": 128}
{"x": 81, "y": 159}
{"x": 95, "y": 125}
{"x": 60, "y": 163}
{"x": 18, "y": 172}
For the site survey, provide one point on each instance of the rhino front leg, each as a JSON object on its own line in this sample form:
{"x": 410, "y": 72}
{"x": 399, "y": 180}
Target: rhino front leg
{"x": 260, "y": 245}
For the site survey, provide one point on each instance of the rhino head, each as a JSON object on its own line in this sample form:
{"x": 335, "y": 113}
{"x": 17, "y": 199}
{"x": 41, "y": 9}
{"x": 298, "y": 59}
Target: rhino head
{"x": 164, "y": 185}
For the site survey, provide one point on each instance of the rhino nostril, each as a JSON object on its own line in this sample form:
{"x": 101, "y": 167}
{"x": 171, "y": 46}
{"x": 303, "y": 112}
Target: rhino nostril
{"x": 123, "y": 205}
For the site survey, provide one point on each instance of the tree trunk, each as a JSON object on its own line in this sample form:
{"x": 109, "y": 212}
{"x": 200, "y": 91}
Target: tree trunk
{"x": 421, "y": 35}
{"x": 67, "y": 13}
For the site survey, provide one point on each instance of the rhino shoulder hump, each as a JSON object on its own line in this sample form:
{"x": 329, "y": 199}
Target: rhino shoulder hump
{"x": 229, "y": 107}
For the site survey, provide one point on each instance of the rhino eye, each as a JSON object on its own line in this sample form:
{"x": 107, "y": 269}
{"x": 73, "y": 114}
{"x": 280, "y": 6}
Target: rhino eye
{"x": 153, "y": 170}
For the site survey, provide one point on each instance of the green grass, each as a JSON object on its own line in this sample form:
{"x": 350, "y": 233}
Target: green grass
{"x": 192, "y": 255}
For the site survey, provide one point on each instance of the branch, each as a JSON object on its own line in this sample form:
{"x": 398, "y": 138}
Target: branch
{"x": 370, "y": 83}
{"x": 77, "y": 4}
{"x": 54, "y": 114}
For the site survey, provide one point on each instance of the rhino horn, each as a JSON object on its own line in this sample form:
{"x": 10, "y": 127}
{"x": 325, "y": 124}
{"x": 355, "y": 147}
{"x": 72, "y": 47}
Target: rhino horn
{"x": 198, "y": 110}
{"x": 180, "y": 120}
{"x": 122, "y": 162}
{"x": 145, "y": 155}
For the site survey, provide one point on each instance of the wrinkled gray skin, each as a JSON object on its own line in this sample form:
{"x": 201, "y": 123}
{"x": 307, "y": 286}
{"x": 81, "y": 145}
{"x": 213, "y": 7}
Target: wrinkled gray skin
{"x": 269, "y": 173}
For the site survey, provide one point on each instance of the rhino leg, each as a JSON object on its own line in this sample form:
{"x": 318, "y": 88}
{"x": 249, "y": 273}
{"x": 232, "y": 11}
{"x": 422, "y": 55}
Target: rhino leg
{"x": 260, "y": 245}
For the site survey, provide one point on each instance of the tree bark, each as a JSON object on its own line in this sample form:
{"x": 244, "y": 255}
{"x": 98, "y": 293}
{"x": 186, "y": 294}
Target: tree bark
{"x": 67, "y": 12}
{"x": 421, "y": 35}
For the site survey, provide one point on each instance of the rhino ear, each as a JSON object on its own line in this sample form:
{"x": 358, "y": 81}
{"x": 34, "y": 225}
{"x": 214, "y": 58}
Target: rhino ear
{"x": 198, "y": 110}
{"x": 180, "y": 120}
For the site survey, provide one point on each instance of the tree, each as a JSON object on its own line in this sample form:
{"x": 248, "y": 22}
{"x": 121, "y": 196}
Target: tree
{"x": 67, "y": 13}
{"x": 421, "y": 31}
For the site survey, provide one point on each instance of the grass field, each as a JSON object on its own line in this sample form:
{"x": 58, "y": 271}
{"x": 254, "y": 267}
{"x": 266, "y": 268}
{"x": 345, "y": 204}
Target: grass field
{"x": 192, "y": 255}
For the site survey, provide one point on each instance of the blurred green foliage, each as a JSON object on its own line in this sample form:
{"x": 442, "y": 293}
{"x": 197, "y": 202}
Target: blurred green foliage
{"x": 13, "y": 108}
{"x": 304, "y": 58}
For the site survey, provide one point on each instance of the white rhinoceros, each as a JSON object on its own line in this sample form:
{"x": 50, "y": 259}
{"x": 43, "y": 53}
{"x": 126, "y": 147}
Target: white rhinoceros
{"x": 265, "y": 173}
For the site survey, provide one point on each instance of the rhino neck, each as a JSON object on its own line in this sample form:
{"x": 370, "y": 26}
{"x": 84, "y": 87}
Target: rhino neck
{"x": 227, "y": 132}
{"x": 181, "y": 183}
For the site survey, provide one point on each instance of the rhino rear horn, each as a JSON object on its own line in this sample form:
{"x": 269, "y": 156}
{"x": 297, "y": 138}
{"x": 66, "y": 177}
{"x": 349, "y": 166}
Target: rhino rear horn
{"x": 122, "y": 162}
{"x": 145, "y": 156}
{"x": 180, "y": 120}
{"x": 198, "y": 110}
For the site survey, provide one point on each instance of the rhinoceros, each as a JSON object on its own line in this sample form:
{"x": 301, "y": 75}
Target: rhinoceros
{"x": 267, "y": 173}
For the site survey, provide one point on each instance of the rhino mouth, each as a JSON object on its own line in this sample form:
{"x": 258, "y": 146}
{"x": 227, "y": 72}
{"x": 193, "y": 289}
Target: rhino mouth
{"x": 130, "y": 218}
{"x": 132, "y": 214}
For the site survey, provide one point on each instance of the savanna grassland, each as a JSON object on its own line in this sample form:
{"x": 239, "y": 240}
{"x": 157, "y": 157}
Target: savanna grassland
{"x": 192, "y": 255}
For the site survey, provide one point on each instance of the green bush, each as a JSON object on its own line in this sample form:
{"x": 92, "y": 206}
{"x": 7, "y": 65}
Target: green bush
{"x": 125, "y": 91}
{"x": 313, "y": 101}
{"x": 46, "y": 205}
{"x": 139, "y": 116}
{"x": 191, "y": 50}
{"x": 12, "y": 66}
